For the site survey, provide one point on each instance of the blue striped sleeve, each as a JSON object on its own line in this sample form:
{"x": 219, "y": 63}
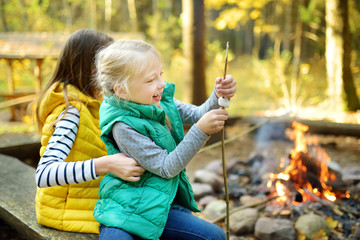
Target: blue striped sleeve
{"x": 54, "y": 169}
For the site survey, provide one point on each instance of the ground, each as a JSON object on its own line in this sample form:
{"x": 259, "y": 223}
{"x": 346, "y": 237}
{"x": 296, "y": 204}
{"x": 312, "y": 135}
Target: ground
{"x": 343, "y": 150}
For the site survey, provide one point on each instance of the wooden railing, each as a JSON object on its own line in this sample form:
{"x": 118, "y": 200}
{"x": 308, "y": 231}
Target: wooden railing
{"x": 17, "y": 99}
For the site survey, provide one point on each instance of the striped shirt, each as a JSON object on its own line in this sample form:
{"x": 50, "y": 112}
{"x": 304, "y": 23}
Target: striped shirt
{"x": 52, "y": 169}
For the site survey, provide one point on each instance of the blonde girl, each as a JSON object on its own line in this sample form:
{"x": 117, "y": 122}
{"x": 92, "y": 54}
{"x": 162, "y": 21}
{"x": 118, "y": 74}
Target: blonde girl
{"x": 140, "y": 118}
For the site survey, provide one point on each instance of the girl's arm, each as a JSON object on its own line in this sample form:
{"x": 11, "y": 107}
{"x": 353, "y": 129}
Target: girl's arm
{"x": 167, "y": 165}
{"x": 152, "y": 157}
{"x": 190, "y": 114}
{"x": 52, "y": 169}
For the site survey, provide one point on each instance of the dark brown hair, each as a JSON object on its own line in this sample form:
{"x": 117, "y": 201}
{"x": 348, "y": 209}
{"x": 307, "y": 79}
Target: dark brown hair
{"x": 76, "y": 66}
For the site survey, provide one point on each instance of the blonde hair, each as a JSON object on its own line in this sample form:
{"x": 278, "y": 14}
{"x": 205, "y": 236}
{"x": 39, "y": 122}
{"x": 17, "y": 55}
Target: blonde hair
{"x": 121, "y": 62}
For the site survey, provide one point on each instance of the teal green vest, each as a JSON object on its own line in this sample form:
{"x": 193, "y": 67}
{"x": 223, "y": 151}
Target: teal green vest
{"x": 142, "y": 207}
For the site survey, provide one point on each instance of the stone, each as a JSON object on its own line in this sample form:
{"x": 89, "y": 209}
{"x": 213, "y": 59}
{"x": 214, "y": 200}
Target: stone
{"x": 201, "y": 189}
{"x": 209, "y": 177}
{"x": 247, "y": 199}
{"x": 206, "y": 200}
{"x": 215, "y": 209}
{"x": 311, "y": 224}
{"x": 215, "y": 167}
{"x": 351, "y": 174}
{"x": 243, "y": 221}
{"x": 274, "y": 228}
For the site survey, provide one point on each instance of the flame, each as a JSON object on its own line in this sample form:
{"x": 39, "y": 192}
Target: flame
{"x": 296, "y": 173}
{"x": 281, "y": 191}
{"x": 300, "y": 141}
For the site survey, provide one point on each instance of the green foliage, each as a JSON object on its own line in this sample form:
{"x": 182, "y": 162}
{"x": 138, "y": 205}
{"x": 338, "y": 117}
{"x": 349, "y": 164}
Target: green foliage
{"x": 216, "y": 51}
{"x": 165, "y": 34}
{"x": 3, "y": 75}
{"x": 250, "y": 26}
{"x": 259, "y": 87}
{"x": 354, "y": 16}
{"x": 311, "y": 13}
{"x": 234, "y": 14}
{"x": 26, "y": 15}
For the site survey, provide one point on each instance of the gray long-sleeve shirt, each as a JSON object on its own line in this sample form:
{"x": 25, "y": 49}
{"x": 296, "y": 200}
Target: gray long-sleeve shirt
{"x": 157, "y": 160}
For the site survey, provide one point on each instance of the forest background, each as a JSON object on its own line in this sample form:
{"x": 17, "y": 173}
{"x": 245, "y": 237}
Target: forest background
{"x": 298, "y": 55}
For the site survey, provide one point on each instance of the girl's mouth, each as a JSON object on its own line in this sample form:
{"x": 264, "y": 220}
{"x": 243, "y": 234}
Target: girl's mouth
{"x": 157, "y": 97}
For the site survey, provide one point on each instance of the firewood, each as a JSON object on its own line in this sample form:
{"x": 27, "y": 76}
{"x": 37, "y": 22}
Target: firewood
{"x": 337, "y": 207}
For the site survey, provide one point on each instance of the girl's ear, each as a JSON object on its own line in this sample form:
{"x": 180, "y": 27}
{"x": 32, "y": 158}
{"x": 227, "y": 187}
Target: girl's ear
{"x": 119, "y": 91}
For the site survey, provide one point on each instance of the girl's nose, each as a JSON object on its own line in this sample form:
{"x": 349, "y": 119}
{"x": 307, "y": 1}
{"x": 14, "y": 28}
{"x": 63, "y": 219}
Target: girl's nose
{"x": 161, "y": 83}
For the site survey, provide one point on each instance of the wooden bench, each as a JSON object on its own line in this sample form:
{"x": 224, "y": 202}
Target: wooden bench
{"x": 17, "y": 202}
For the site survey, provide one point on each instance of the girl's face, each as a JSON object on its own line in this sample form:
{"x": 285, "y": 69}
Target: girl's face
{"x": 148, "y": 86}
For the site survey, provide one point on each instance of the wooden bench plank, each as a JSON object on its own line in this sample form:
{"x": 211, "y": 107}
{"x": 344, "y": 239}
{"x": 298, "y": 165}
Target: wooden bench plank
{"x": 24, "y": 147}
{"x": 17, "y": 202}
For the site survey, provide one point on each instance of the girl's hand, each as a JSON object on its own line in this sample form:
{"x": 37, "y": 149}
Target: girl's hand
{"x": 213, "y": 121}
{"x": 120, "y": 165}
{"x": 225, "y": 87}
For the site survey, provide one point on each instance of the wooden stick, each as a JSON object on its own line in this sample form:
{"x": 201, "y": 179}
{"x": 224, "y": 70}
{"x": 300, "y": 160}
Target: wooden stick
{"x": 224, "y": 162}
{"x": 333, "y": 205}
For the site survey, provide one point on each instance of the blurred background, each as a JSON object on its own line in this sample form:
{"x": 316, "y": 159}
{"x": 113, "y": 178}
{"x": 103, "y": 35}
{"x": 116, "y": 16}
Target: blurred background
{"x": 286, "y": 55}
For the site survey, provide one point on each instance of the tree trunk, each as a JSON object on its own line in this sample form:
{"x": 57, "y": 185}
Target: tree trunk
{"x": 132, "y": 14}
{"x": 334, "y": 51}
{"x": 194, "y": 50}
{"x": 24, "y": 17}
{"x": 68, "y": 15}
{"x": 3, "y": 17}
{"x": 296, "y": 57}
{"x": 288, "y": 15}
{"x": 350, "y": 97}
{"x": 108, "y": 8}
{"x": 338, "y": 57}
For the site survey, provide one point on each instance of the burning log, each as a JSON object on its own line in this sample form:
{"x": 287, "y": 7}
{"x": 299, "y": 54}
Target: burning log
{"x": 337, "y": 207}
{"x": 291, "y": 192}
{"x": 307, "y": 170}
{"x": 312, "y": 172}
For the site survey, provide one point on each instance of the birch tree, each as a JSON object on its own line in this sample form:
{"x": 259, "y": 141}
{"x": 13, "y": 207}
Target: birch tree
{"x": 341, "y": 87}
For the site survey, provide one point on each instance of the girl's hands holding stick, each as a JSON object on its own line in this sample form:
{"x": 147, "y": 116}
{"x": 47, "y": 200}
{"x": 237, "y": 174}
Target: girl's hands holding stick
{"x": 212, "y": 121}
{"x": 225, "y": 87}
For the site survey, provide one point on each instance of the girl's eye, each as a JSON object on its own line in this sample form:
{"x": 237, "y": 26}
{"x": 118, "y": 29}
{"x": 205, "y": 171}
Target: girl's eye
{"x": 161, "y": 73}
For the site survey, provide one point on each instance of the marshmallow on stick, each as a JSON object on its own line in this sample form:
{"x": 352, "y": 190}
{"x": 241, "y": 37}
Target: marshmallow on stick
{"x": 225, "y": 102}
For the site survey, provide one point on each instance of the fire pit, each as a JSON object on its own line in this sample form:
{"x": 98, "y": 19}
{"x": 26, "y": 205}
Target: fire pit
{"x": 306, "y": 179}
{"x": 307, "y": 173}
{"x": 305, "y": 189}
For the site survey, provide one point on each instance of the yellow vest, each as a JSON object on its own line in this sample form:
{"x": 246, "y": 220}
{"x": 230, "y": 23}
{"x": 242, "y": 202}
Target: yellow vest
{"x": 70, "y": 207}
